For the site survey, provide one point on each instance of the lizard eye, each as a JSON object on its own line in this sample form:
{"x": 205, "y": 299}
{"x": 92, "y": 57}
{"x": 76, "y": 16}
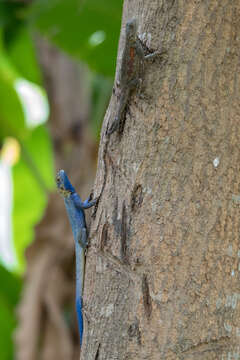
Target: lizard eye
{"x": 58, "y": 178}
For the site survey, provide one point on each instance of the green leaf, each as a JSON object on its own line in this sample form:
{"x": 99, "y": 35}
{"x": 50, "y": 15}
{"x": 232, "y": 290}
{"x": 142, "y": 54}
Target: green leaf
{"x": 33, "y": 176}
{"x": 8, "y": 324}
{"x": 22, "y": 54}
{"x": 39, "y": 145}
{"x": 11, "y": 113}
{"x": 10, "y": 286}
{"x": 12, "y": 15}
{"x": 78, "y": 27}
{"x": 9, "y": 297}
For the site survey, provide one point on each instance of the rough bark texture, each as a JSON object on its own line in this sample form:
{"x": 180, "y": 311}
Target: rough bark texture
{"x": 162, "y": 278}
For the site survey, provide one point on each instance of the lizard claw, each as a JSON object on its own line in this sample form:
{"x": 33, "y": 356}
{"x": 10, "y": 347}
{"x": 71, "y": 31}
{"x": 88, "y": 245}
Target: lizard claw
{"x": 91, "y": 195}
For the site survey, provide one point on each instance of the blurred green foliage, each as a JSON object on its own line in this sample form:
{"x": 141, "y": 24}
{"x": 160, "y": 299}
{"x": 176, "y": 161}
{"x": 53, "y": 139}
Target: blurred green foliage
{"x": 26, "y": 63}
{"x": 87, "y": 30}
{"x": 33, "y": 176}
{"x": 9, "y": 297}
{"x": 17, "y": 61}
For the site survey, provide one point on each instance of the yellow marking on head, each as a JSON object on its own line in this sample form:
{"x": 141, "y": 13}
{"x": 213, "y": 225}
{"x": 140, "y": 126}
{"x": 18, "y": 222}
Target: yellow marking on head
{"x": 64, "y": 192}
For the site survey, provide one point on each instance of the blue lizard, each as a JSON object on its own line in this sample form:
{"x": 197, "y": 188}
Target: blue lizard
{"x": 75, "y": 209}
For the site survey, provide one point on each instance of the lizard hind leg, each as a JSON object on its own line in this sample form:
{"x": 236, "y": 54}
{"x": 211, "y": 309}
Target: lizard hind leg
{"x": 82, "y": 237}
{"x": 119, "y": 118}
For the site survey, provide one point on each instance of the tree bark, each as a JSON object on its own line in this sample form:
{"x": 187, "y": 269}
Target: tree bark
{"x": 162, "y": 274}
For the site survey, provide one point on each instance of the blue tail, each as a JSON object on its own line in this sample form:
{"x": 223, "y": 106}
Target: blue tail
{"x": 80, "y": 317}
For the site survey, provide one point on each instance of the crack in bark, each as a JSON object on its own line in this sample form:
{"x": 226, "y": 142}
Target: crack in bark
{"x": 124, "y": 235}
{"x": 104, "y": 236}
{"x": 97, "y": 353}
{"x": 147, "y": 302}
{"x": 134, "y": 331}
{"x": 137, "y": 197}
{"x": 207, "y": 346}
{"x": 104, "y": 177}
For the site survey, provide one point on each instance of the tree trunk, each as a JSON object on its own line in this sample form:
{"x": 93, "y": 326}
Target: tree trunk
{"x": 162, "y": 274}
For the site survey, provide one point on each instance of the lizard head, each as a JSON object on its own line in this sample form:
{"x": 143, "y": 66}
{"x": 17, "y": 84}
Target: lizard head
{"x": 131, "y": 29}
{"x": 64, "y": 186}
